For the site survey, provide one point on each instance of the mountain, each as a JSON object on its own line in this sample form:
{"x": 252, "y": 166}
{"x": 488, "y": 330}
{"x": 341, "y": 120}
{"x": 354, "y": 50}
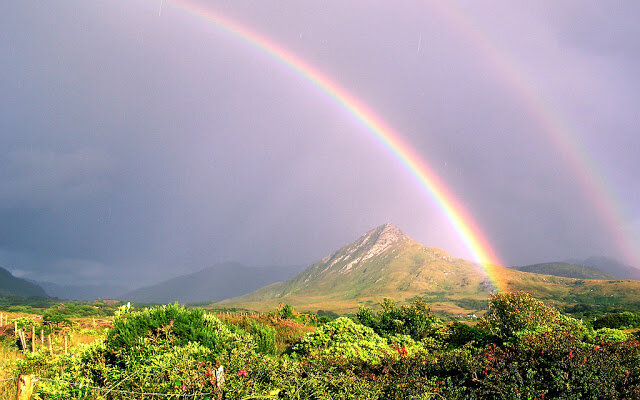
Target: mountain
{"x": 385, "y": 262}
{"x": 81, "y": 292}
{"x": 567, "y": 270}
{"x": 12, "y": 286}
{"x": 612, "y": 266}
{"x": 215, "y": 283}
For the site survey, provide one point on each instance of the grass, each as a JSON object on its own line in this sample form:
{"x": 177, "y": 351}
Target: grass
{"x": 9, "y": 354}
{"x": 84, "y": 331}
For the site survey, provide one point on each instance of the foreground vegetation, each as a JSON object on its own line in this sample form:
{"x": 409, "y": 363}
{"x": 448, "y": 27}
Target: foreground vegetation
{"x": 520, "y": 349}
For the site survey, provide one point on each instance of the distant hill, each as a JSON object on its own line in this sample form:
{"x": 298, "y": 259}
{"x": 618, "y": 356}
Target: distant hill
{"x": 611, "y": 266}
{"x": 12, "y": 286}
{"x": 385, "y": 262}
{"x": 567, "y": 270}
{"x": 215, "y": 283}
{"x": 81, "y": 292}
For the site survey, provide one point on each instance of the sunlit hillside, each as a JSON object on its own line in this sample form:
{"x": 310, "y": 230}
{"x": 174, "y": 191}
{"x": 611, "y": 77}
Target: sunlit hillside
{"x": 385, "y": 262}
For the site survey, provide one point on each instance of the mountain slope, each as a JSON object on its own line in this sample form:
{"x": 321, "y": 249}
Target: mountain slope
{"x": 384, "y": 262}
{"x": 12, "y": 286}
{"x": 567, "y": 270}
{"x": 387, "y": 263}
{"x": 614, "y": 267}
{"x": 215, "y": 283}
{"x": 81, "y": 292}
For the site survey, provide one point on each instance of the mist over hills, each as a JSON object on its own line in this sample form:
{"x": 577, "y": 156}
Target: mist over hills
{"x": 385, "y": 262}
{"x": 567, "y": 270}
{"x": 88, "y": 292}
{"x": 13, "y": 286}
{"x": 215, "y": 283}
{"x": 609, "y": 265}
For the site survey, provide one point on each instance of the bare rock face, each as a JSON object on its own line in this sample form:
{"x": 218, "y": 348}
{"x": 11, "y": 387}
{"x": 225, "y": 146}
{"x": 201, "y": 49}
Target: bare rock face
{"x": 388, "y": 234}
{"x": 369, "y": 245}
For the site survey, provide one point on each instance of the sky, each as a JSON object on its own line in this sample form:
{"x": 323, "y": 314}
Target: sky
{"x": 139, "y": 142}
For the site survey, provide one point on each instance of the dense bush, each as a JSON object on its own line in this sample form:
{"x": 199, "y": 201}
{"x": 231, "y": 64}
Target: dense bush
{"x": 610, "y": 335}
{"x": 619, "y": 320}
{"x": 537, "y": 353}
{"x": 510, "y": 312}
{"x": 168, "y": 325}
{"x": 462, "y": 334}
{"x": 344, "y": 339}
{"x": 415, "y": 320}
{"x": 264, "y": 336}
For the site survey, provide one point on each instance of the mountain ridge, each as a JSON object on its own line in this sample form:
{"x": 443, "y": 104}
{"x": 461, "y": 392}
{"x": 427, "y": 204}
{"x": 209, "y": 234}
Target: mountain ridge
{"x": 214, "y": 283}
{"x": 566, "y": 270}
{"x": 385, "y": 262}
{"x": 612, "y": 266}
{"x": 13, "y": 286}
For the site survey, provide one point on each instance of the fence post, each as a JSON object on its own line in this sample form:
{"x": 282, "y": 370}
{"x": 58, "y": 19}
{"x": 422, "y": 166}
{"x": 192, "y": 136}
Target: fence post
{"x": 219, "y": 374}
{"x": 20, "y": 334}
{"x": 65, "y": 344}
{"x": 33, "y": 338}
{"x": 25, "y": 387}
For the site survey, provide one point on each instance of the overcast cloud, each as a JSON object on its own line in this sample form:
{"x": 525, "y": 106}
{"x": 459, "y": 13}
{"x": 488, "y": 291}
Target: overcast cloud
{"x": 142, "y": 142}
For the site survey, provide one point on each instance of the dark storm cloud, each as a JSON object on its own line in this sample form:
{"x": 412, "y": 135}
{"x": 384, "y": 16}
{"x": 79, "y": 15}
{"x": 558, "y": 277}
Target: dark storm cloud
{"x": 145, "y": 144}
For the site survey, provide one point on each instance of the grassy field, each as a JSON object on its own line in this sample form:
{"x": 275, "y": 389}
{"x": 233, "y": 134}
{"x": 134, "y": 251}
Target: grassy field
{"x": 83, "y": 331}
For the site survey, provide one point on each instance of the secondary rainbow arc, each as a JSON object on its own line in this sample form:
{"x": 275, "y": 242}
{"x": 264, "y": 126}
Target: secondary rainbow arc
{"x": 566, "y": 141}
{"x": 459, "y": 218}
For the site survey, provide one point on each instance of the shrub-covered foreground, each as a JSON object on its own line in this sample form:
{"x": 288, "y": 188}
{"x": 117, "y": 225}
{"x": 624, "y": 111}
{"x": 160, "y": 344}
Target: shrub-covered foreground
{"x": 522, "y": 349}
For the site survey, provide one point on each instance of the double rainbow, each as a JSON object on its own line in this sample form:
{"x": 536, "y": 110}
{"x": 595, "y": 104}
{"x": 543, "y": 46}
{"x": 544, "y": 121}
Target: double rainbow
{"x": 461, "y": 221}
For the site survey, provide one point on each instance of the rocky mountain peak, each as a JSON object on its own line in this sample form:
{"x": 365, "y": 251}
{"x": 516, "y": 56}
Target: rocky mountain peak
{"x": 368, "y": 246}
{"x": 390, "y": 233}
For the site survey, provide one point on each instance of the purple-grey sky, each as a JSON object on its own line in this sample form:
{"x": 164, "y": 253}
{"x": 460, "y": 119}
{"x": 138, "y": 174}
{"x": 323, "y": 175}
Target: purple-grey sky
{"x": 138, "y": 142}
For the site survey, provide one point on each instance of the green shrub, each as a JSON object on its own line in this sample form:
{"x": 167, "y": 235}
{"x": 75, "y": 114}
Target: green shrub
{"x": 618, "y": 320}
{"x": 415, "y": 320}
{"x": 510, "y": 312}
{"x": 543, "y": 357}
{"x": 609, "y": 335}
{"x": 344, "y": 339}
{"x": 462, "y": 334}
{"x": 264, "y": 336}
{"x": 170, "y": 325}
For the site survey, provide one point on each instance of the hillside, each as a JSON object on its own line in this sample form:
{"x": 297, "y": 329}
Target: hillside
{"x": 215, "y": 283}
{"x": 12, "y": 286}
{"x": 385, "y": 262}
{"x": 612, "y": 266}
{"x": 566, "y": 270}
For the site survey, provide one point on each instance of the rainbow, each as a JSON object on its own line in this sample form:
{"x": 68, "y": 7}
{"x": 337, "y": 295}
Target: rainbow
{"x": 567, "y": 143}
{"x": 461, "y": 221}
